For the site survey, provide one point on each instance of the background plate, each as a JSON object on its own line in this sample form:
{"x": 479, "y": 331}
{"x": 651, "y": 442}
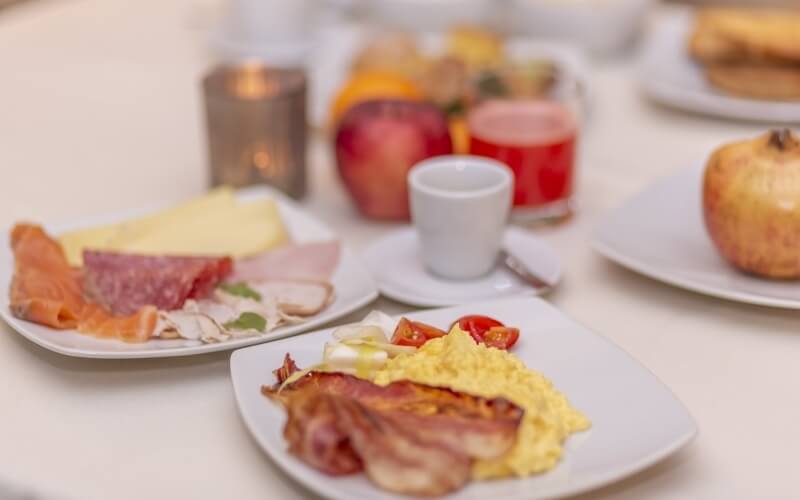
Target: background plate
{"x": 669, "y": 76}
{"x": 636, "y": 421}
{"x": 354, "y": 288}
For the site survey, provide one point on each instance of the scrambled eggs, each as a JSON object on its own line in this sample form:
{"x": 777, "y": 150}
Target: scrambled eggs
{"x": 457, "y": 362}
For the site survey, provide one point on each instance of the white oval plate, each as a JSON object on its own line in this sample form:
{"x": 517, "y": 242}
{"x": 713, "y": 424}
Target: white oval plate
{"x": 396, "y": 266}
{"x": 660, "y": 233}
{"x": 353, "y": 285}
{"x": 669, "y": 76}
{"x": 636, "y": 420}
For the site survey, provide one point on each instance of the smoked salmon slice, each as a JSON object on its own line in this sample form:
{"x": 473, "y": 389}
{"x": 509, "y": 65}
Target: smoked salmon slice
{"x": 47, "y": 291}
{"x": 139, "y": 327}
{"x": 44, "y": 289}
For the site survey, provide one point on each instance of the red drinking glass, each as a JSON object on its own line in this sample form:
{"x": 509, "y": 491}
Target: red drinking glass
{"x": 537, "y": 138}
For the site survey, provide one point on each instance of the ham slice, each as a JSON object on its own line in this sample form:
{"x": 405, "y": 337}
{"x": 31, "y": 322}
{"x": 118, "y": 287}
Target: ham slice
{"x": 409, "y": 438}
{"x": 302, "y": 262}
{"x": 47, "y": 291}
{"x": 124, "y": 283}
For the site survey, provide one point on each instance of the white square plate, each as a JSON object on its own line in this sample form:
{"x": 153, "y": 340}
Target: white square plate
{"x": 636, "y": 420}
{"x": 354, "y": 288}
{"x": 660, "y": 233}
{"x": 668, "y": 75}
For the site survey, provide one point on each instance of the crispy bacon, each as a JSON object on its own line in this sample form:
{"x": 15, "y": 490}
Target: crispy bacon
{"x": 396, "y": 456}
{"x": 315, "y": 436}
{"x": 286, "y": 369}
{"x": 411, "y": 438}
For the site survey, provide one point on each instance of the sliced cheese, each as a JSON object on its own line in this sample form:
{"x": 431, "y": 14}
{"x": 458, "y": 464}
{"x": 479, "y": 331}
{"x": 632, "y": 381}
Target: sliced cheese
{"x": 74, "y": 242}
{"x": 219, "y": 200}
{"x": 240, "y": 231}
{"x": 214, "y": 224}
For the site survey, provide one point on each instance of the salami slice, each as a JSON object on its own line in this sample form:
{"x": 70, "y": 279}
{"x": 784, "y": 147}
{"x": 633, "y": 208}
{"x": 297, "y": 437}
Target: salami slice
{"x": 124, "y": 282}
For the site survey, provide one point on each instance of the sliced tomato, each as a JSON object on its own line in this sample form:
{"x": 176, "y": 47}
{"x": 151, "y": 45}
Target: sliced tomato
{"x": 414, "y": 333}
{"x": 430, "y": 332}
{"x": 501, "y": 337}
{"x": 476, "y": 326}
{"x": 406, "y": 334}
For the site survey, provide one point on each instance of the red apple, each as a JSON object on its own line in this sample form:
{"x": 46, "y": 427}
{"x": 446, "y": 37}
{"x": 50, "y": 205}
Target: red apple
{"x": 751, "y": 204}
{"x": 377, "y": 142}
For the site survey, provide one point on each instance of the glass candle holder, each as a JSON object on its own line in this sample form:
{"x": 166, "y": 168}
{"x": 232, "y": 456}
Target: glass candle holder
{"x": 257, "y": 126}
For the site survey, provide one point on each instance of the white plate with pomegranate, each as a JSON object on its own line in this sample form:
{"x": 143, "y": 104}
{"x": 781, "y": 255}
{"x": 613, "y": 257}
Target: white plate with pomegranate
{"x": 635, "y": 420}
{"x": 351, "y": 283}
{"x": 661, "y": 233}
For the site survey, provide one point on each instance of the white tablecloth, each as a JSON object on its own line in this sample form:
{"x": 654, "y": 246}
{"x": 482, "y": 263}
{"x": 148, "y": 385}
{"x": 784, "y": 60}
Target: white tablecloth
{"x": 100, "y": 110}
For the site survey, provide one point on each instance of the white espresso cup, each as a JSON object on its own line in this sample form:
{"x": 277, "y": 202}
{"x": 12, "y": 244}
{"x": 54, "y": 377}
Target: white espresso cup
{"x": 460, "y": 206}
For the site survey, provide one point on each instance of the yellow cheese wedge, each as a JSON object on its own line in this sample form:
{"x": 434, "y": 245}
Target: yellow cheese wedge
{"x": 218, "y": 200}
{"x": 74, "y": 242}
{"x": 214, "y": 224}
{"x": 240, "y": 231}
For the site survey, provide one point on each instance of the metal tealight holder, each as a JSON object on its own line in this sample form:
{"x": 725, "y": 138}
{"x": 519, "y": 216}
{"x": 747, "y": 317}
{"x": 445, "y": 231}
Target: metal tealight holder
{"x": 257, "y": 126}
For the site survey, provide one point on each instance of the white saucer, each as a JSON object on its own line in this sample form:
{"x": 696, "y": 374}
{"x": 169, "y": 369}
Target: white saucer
{"x": 396, "y": 266}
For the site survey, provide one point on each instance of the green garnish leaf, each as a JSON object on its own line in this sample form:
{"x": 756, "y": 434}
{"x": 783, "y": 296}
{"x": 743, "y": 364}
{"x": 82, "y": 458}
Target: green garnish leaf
{"x": 247, "y": 321}
{"x": 241, "y": 290}
{"x": 455, "y": 108}
{"x": 492, "y": 85}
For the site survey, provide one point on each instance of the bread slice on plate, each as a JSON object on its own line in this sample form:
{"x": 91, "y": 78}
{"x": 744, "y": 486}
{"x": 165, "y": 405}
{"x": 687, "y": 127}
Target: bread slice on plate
{"x": 780, "y": 83}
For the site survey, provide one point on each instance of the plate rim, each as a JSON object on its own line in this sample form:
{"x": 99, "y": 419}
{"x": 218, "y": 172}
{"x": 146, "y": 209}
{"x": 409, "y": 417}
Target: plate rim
{"x": 601, "y": 244}
{"x": 181, "y": 351}
{"x": 301, "y": 476}
{"x": 250, "y": 192}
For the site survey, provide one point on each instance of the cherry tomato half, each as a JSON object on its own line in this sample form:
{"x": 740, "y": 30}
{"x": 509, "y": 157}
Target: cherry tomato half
{"x": 430, "y": 332}
{"x": 501, "y": 337}
{"x": 414, "y": 333}
{"x": 476, "y": 326}
{"x": 405, "y": 334}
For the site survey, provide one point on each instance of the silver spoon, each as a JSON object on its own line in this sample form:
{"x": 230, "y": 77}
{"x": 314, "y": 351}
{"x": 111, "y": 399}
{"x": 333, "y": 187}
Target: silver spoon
{"x": 524, "y": 273}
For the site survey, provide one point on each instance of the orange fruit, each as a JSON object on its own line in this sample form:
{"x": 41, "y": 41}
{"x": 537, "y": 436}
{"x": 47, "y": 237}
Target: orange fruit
{"x": 372, "y": 85}
{"x": 459, "y": 133}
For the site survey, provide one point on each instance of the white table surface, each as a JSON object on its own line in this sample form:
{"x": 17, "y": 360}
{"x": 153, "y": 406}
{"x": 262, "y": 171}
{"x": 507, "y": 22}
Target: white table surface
{"x": 100, "y": 110}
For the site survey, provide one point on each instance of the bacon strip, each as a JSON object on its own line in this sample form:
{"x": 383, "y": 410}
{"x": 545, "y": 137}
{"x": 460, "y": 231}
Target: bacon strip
{"x": 47, "y": 291}
{"x": 396, "y": 456}
{"x": 316, "y": 436}
{"x": 286, "y": 370}
{"x": 411, "y": 438}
